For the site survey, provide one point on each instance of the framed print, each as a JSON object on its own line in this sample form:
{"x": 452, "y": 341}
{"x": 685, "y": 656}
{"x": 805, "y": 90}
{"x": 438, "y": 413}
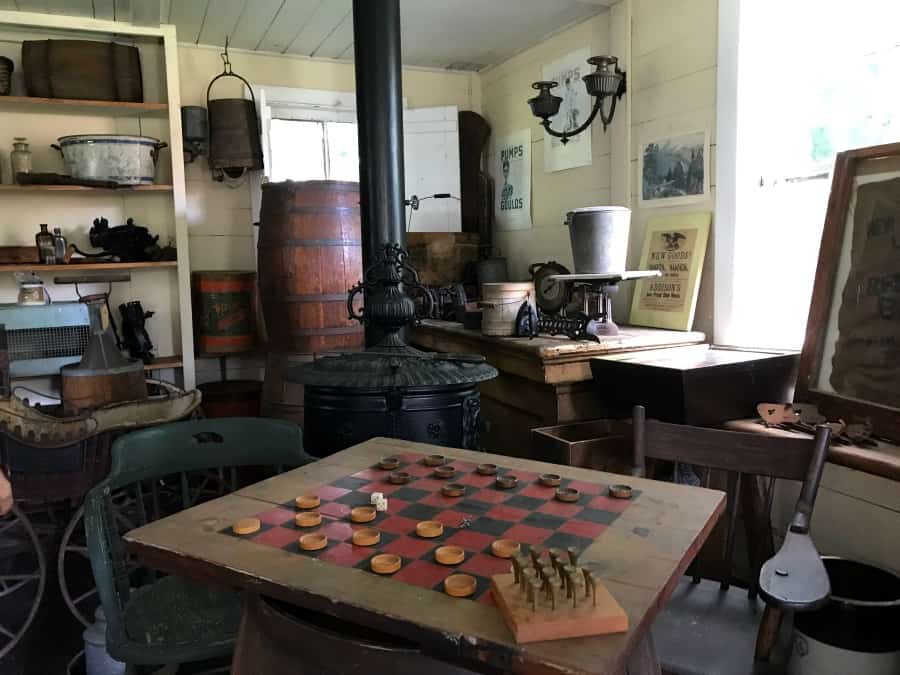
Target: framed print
{"x": 676, "y": 246}
{"x": 850, "y": 363}
{"x": 674, "y": 170}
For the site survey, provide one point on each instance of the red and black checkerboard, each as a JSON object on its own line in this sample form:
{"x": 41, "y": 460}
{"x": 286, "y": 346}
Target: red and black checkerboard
{"x": 527, "y": 513}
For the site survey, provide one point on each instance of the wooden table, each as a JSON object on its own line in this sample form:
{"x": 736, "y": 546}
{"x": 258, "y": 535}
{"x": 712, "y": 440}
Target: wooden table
{"x": 543, "y": 381}
{"x": 640, "y": 557}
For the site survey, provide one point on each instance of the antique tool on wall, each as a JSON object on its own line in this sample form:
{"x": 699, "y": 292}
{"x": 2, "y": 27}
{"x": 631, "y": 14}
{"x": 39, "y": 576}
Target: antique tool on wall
{"x": 134, "y": 332}
{"x": 126, "y": 243}
{"x": 235, "y": 146}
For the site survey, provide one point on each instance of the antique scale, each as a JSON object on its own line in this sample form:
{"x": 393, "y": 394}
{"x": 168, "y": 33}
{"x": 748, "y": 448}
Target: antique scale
{"x": 578, "y": 305}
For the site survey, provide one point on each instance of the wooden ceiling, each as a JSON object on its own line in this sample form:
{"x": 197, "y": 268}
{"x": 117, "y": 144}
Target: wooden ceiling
{"x": 459, "y": 34}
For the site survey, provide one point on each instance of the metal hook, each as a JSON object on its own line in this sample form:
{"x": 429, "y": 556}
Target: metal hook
{"x": 225, "y": 60}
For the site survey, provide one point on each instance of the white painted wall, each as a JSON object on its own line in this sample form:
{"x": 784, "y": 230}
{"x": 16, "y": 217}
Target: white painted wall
{"x": 504, "y": 91}
{"x": 673, "y": 89}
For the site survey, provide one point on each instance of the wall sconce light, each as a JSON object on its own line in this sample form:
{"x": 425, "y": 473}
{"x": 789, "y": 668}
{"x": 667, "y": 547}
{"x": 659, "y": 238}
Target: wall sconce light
{"x": 607, "y": 81}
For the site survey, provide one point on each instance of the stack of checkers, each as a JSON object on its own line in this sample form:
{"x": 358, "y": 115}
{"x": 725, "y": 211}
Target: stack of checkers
{"x": 452, "y": 544}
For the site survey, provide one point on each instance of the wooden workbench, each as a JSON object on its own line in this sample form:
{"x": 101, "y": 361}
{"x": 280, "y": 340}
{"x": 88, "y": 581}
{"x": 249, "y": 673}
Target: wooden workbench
{"x": 639, "y": 555}
{"x": 543, "y": 381}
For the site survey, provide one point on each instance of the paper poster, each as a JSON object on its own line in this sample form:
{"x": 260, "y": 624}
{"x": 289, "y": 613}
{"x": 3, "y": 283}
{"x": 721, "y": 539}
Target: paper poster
{"x": 676, "y": 246}
{"x": 674, "y": 170}
{"x": 866, "y": 361}
{"x": 511, "y": 170}
{"x": 573, "y": 111}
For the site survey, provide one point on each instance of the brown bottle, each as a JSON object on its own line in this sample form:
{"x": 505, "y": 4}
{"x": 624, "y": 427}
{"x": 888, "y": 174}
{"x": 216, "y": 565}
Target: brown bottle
{"x": 45, "y": 246}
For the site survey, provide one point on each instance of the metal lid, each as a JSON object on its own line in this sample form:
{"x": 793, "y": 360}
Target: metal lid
{"x": 596, "y": 209}
{"x": 395, "y": 367}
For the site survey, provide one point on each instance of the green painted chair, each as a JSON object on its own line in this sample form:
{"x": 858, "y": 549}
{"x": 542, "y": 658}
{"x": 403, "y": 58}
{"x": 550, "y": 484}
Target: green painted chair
{"x": 172, "y": 620}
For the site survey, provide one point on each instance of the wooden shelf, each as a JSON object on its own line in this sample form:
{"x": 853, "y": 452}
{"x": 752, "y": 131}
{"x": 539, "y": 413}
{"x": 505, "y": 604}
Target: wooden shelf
{"x": 85, "y": 267}
{"x": 82, "y": 188}
{"x": 161, "y": 362}
{"x": 66, "y": 105}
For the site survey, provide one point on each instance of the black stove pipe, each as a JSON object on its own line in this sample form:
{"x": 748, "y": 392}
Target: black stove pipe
{"x": 379, "y": 112}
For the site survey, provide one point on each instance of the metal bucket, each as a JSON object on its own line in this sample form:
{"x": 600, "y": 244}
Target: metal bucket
{"x": 856, "y": 632}
{"x": 234, "y": 132}
{"x": 599, "y": 236}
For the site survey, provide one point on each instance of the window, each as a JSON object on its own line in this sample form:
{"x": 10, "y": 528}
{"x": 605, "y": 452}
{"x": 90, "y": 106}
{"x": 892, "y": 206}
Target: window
{"x": 798, "y": 101}
{"x": 313, "y": 150}
{"x": 311, "y": 134}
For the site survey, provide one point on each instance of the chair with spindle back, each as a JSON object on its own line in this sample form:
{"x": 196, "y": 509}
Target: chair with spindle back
{"x": 172, "y": 620}
{"x": 711, "y": 628}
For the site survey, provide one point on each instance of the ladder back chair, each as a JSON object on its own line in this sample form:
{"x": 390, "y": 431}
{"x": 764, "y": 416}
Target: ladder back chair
{"x": 173, "y": 620}
{"x": 713, "y": 628}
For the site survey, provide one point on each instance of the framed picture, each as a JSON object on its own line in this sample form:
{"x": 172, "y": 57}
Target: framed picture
{"x": 676, "y": 246}
{"x": 850, "y": 363}
{"x": 674, "y": 170}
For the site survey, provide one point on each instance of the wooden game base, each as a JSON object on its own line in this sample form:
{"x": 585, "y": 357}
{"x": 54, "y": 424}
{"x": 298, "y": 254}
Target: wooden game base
{"x": 563, "y": 622}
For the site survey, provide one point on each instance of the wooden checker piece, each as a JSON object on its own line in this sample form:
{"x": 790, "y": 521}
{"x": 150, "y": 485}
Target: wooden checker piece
{"x": 449, "y": 555}
{"x": 428, "y": 529}
{"x": 505, "y": 548}
{"x": 246, "y": 526}
{"x": 528, "y": 625}
{"x": 313, "y": 542}
{"x": 366, "y": 536}
{"x": 363, "y": 514}
{"x": 307, "y": 502}
{"x": 460, "y": 585}
{"x": 385, "y": 563}
{"x": 308, "y": 519}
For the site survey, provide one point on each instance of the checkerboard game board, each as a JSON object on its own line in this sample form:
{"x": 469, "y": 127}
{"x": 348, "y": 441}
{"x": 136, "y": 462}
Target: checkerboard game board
{"x": 527, "y": 513}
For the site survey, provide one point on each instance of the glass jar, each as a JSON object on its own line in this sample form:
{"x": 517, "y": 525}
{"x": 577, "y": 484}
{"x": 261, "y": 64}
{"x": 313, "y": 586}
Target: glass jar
{"x": 20, "y": 157}
{"x": 45, "y": 245}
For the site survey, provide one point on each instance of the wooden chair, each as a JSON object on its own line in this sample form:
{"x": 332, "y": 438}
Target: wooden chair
{"x": 711, "y": 628}
{"x": 172, "y": 620}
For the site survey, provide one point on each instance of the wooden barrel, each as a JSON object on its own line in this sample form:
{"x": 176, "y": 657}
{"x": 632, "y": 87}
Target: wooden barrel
{"x": 309, "y": 256}
{"x": 224, "y": 311}
{"x": 283, "y": 399}
{"x": 232, "y": 398}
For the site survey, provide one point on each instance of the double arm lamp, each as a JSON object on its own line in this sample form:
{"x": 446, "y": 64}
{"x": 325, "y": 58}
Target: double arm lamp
{"x": 607, "y": 81}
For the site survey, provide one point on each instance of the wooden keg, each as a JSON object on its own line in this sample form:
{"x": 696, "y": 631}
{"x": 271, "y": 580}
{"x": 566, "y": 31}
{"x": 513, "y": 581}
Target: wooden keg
{"x": 309, "y": 256}
{"x": 282, "y": 399}
{"x": 224, "y": 311}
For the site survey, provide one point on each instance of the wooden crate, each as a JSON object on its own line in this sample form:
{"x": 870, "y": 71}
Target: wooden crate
{"x": 604, "y": 445}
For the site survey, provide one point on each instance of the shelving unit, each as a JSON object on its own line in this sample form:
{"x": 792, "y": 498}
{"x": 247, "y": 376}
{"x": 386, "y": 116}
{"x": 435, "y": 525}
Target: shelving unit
{"x": 118, "y": 108}
{"x": 86, "y": 266}
{"x": 82, "y": 188}
{"x": 169, "y": 295}
{"x": 164, "y": 363}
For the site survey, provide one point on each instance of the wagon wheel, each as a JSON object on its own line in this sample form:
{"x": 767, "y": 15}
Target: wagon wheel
{"x": 23, "y": 575}
{"x": 73, "y": 563}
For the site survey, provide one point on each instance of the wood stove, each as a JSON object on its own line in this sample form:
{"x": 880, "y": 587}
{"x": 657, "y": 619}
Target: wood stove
{"x": 390, "y": 389}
